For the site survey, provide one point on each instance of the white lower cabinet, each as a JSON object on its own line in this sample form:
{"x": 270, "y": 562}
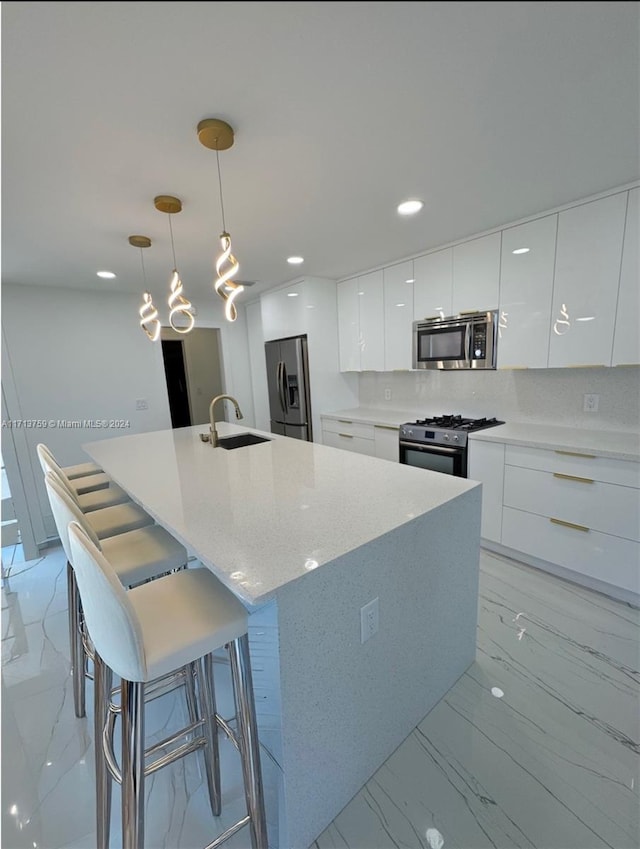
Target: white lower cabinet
{"x": 375, "y": 440}
{"x": 570, "y": 509}
{"x": 386, "y": 439}
{"x": 612, "y": 560}
{"x": 486, "y": 464}
{"x": 347, "y": 434}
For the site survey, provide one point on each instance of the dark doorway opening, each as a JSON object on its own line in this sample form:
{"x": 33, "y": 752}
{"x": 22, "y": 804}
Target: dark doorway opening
{"x": 176, "y": 375}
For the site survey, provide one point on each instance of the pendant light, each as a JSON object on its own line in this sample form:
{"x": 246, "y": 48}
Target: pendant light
{"x": 218, "y": 135}
{"x": 148, "y": 313}
{"x": 178, "y": 304}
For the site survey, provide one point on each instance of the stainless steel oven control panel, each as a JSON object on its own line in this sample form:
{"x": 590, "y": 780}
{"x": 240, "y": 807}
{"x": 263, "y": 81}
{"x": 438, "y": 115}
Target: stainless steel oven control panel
{"x": 425, "y": 435}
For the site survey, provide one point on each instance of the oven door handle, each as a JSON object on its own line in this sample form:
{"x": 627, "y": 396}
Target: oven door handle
{"x": 432, "y": 449}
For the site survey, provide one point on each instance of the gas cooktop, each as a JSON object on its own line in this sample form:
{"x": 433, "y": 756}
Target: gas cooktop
{"x": 457, "y": 423}
{"x": 444, "y": 430}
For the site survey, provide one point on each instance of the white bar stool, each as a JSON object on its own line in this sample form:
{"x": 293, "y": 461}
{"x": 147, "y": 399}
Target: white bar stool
{"x": 138, "y": 550}
{"x": 79, "y": 470}
{"x": 87, "y": 497}
{"x": 84, "y": 477}
{"x": 144, "y": 634}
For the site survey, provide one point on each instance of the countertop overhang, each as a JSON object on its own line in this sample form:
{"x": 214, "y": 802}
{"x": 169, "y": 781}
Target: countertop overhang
{"x": 265, "y": 515}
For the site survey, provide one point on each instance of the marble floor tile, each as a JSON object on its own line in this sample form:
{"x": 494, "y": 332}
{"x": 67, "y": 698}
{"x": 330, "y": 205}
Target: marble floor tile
{"x": 535, "y": 746}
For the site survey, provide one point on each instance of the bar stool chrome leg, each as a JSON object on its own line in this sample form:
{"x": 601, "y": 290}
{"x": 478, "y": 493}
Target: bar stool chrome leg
{"x": 103, "y": 679}
{"x": 76, "y": 647}
{"x": 248, "y": 740}
{"x": 132, "y": 698}
{"x": 206, "y": 693}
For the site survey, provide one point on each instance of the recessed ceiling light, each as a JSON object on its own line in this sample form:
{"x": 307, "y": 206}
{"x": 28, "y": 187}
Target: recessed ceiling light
{"x": 410, "y": 207}
{"x": 521, "y": 251}
{"x": 295, "y": 260}
{"x": 292, "y": 294}
{"x": 106, "y": 275}
{"x": 410, "y": 280}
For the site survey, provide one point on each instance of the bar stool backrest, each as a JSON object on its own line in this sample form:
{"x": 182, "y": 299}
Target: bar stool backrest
{"x": 49, "y": 465}
{"x": 109, "y": 615}
{"x": 44, "y": 456}
{"x": 65, "y": 510}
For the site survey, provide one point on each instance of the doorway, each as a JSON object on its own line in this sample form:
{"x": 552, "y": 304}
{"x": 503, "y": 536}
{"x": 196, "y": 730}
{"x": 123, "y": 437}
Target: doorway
{"x": 193, "y": 372}
{"x": 176, "y": 377}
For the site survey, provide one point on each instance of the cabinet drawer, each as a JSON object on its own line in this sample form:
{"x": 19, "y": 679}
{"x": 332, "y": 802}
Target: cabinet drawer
{"x": 365, "y": 431}
{"x": 581, "y": 464}
{"x": 606, "y": 558}
{"x": 599, "y": 506}
{"x": 348, "y": 442}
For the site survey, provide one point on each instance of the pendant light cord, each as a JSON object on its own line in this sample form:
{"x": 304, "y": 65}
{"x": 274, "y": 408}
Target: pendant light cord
{"x": 173, "y": 250}
{"x": 220, "y": 185}
{"x": 144, "y": 273}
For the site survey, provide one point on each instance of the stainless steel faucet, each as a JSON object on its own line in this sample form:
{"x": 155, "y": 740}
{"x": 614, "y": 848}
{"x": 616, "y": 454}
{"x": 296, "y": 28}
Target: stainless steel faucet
{"x": 213, "y": 433}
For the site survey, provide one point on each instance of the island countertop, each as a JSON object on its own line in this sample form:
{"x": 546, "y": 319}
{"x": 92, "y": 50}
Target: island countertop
{"x": 265, "y": 515}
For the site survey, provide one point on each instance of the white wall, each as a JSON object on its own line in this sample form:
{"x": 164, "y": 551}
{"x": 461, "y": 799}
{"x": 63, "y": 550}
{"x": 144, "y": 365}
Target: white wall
{"x": 202, "y": 367}
{"x": 553, "y": 396}
{"x": 70, "y": 355}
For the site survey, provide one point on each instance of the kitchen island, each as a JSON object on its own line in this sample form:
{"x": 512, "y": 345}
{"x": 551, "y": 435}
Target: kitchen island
{"x": 306, "y": 535}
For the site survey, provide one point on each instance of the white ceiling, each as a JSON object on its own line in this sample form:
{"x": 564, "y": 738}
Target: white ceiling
{"x": 489, "y": 112}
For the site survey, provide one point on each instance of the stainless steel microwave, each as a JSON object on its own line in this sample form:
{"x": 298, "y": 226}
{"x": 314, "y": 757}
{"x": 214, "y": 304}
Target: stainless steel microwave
{"x": 465, "y": 341}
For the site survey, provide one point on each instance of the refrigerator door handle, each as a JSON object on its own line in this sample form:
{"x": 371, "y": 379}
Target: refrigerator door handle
{"x": 283, "y": 375}
{"x": 280, "y": 384}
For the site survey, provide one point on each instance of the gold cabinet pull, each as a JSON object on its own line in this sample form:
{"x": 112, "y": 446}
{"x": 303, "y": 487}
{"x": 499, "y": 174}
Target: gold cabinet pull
{"x": 345, "y": 421}
{"x": 346, "y": 435}
{"x": 575, "y": 454}
{"x": 569, "y": 525}
{"x": 572, "y": 478}
{"x": 386, "y": 427}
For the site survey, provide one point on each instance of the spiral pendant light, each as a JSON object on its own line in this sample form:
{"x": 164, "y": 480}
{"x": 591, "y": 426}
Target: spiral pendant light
{"x": 218, "y": 135}
{"x": 149, "y": 321}
{"x": 179, "y": 306}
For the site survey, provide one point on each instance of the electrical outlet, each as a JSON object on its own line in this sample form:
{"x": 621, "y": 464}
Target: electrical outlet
{"x": 368, "y": 620}
{"x": 387, "y": 394}
{"x": 142, "y": 404}
{"x": 591, "y": 403}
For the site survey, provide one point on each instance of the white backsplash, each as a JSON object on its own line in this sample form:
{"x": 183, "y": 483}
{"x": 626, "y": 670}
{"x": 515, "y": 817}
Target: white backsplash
{"x": 552, "y": 396}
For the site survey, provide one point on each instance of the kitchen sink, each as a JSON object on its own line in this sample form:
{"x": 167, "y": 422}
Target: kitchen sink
{"x": 240, "y": 440}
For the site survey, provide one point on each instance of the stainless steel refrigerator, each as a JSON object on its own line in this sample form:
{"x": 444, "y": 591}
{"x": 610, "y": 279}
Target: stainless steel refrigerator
{"x": 288, "y": 385}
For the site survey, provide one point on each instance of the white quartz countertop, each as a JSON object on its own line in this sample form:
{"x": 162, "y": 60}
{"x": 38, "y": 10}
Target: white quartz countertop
{"x": 621, "y": 445}
{"x": 265, "y": 515}
{"x": 375, "y": 415}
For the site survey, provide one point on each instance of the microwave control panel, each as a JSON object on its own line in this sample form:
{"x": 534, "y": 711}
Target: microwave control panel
{"x": 479, "y": 342}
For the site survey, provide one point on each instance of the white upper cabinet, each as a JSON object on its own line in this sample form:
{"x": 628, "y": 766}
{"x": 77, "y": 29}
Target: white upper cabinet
{"x": 433, "y": 284}
{"x": 526, "y": 293}
{"x": 349, "y": 325}
{"x": 476, "y": 274}
{"x": 371, "y": 298}
{"x": 398, "y": 315}
{"x": 626, "y": 342}
{"x": 585, "y": 290}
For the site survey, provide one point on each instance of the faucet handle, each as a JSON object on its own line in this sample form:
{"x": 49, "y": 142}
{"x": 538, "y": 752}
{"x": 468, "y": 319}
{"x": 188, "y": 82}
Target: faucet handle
{"x": 238, "y": 413}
